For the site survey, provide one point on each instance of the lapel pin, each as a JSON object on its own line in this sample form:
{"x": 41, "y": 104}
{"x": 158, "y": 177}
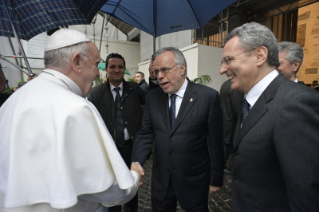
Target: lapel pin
{"x": 191, "y": 100}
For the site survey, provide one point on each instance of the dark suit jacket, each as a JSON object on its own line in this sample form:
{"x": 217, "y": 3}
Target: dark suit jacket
{"x": 230, "y": 102}
{"x": 132, "y": 112}
{"x": 275, "y": 156}
{"x": 182, "y": 153}
{"x": 143, "y": 85}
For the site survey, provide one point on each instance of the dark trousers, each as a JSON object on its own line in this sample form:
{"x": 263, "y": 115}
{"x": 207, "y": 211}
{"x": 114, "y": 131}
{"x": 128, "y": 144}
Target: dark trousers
{"x": 131, "y": 206}
{"x": 168, "y": 204}
{"x": 228, "y": 148}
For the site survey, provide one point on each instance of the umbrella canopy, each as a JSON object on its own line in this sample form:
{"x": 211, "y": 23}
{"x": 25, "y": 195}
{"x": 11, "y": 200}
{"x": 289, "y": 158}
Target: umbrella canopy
{"x": 159, "y": 17}
{"x": 32, "y": 17}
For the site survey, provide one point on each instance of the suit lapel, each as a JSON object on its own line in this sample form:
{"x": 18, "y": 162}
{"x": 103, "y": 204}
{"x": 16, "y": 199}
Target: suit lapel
{"x": 188, "y": 101}
{"x": 258, "y": 110}
{"x": 127, "y": 89}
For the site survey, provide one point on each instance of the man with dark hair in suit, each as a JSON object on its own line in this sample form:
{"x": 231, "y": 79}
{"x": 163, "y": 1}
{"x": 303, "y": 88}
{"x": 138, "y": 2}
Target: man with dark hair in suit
{"x": 275, "y": 155}
{"x": 104, "y": 97}
{"x": 180, "y": 115}
{"x": 230, "y": 102}
{"x": 290, "y": 59}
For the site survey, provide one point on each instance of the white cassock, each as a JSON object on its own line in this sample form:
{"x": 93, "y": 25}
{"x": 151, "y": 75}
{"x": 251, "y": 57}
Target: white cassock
{"x": 56, "y": 153}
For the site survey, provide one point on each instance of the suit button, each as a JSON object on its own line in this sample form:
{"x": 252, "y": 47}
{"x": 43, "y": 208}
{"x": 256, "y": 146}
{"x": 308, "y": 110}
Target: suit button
{"x": 171, "y": 136}
{"x": 234, "y": 153}
{"x": 126, "y": 123}
{"x": 170, "y": 153}
{"x": 121, "y": 108}
{"x": 234, "y": 177}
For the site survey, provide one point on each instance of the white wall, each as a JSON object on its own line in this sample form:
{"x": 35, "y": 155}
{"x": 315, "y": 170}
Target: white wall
{"x": 178, "y": 39}
{"x": 201, "y": 60}
{"x": 209, "y": 64}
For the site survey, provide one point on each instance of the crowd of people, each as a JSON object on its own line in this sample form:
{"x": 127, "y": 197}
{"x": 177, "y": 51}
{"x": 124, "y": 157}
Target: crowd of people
{"x": 81, "y": 154}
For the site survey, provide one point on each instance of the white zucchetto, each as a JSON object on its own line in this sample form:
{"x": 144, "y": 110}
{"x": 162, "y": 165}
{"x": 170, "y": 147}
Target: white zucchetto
{"x": 65, "y": 37}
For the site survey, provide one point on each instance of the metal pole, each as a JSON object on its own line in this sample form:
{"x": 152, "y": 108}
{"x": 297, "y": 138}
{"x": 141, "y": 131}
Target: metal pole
{"x": 102, "y": 32}
{"x": 13, "y": 64}
{"x": 154, "y": 25}
{"x": 107, "y": 39}
{"x": 15, "y": 57}
{"x": 17, "y": 37}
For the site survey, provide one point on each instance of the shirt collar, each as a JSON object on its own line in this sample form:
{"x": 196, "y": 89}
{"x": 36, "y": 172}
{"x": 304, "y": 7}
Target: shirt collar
{"x": 254, "y": 93}
{"x": 66, "y": 80}
{"x": 182, "y": 90}
{"x": 112, "y": 86}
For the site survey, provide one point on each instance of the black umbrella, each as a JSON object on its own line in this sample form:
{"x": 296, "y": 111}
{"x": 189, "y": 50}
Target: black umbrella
{"x": 25, "y": 19}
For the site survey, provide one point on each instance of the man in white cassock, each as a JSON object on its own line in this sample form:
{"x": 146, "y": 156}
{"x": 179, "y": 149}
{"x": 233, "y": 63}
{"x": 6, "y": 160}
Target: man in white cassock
{"x": 55, "y": 152}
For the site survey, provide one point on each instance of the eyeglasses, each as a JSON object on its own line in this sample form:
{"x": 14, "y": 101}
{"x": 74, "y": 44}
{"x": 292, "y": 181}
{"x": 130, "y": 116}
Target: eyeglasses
{"x": 163, "y": 70}
{"x": 226, "y": 60}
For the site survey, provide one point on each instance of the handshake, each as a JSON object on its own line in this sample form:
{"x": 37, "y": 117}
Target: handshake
{"x": 135, "y": 166}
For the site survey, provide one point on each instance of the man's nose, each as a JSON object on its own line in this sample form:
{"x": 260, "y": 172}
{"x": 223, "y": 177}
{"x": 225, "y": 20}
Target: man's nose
{"x": 160, "y": 75}
{"x": 223, "y": 69}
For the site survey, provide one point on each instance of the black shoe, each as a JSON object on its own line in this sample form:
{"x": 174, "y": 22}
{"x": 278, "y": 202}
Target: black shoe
{"x": 227, "y": 171}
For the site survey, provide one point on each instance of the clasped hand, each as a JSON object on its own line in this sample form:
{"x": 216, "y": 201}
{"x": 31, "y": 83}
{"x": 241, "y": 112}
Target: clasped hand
{"x": 138, "y": 168}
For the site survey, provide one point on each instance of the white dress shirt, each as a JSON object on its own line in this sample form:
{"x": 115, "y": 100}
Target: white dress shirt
{"x": 254, "y": 93}
{"x": 179, "y": 98}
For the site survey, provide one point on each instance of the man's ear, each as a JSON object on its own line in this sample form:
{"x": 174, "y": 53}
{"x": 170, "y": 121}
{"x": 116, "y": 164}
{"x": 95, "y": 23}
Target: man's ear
{"x": 76, "y": 62}
{"x": 183, "y": 70}
{"x": 261, "y": 55}
{"x": 297, "y": 63}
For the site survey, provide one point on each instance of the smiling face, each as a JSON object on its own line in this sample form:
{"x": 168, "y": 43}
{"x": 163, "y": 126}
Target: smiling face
{"x": 242, "y": 69}
{"x": 172, "y": 81}
{"x": 115, "y": 71}
{"x": 90, "y": 69}
{"x": 286, "y": 68}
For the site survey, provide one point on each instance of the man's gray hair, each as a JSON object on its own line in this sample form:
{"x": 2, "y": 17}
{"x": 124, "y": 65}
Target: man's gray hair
{"x": 253, "y": 35}
{"x": 59, "y": 58}
{"x": 294, "y": 51}
{"x": 179, "y": 57}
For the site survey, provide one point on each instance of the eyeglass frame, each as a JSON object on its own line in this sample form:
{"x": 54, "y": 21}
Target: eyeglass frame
{"x": 226, "y": 60}
{"x": 164, "y": 70}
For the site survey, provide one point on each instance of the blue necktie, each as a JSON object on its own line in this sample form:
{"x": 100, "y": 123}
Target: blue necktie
{"x": 172, "y": 110}
{"x": 245, "y": 110}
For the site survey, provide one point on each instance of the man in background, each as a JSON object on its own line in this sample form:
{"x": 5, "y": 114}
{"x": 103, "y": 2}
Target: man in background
{"x": 290, "y": 59}
{"x": 119, "y": 103}
{"x": 139, "y": 78}
{"x": 55, "y": 151}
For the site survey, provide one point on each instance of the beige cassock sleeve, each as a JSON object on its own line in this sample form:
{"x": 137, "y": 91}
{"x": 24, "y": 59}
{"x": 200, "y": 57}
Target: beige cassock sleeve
{"x": 114, "y": 195}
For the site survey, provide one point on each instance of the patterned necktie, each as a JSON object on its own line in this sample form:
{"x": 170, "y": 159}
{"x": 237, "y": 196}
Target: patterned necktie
{"x": 119, "y": 123}
{"x": 172, "y": 110}
{"x": 245, "y": 110}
